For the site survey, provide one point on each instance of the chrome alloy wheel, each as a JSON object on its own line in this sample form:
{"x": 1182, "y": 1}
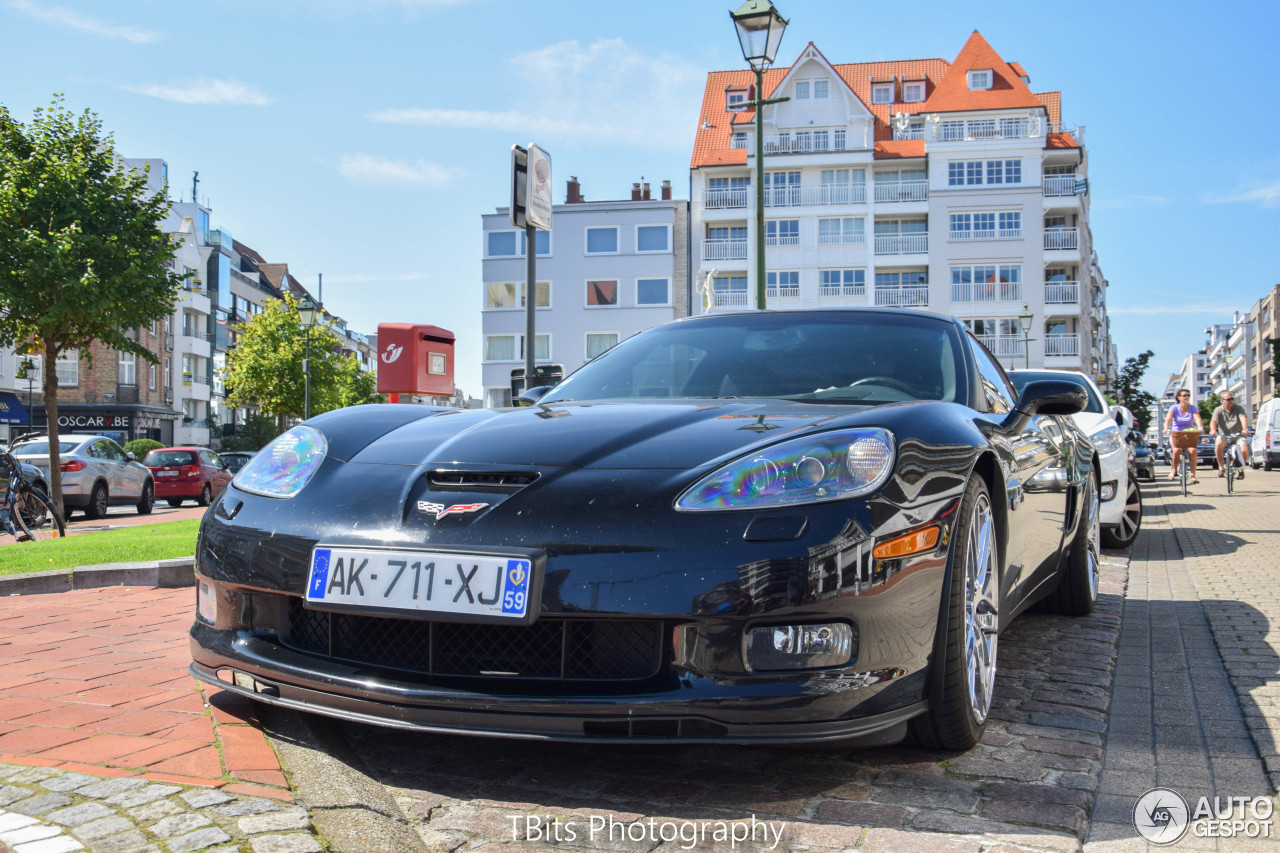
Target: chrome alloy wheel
{"x": 981, "y": 607}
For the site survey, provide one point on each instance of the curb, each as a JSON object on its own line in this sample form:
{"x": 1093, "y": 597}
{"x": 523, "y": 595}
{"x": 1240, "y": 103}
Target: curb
{"x": 177, "y": 572}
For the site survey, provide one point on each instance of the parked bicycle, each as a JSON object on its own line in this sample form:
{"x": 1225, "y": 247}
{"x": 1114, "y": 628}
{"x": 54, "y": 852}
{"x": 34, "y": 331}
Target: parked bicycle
{"x": 26, "y": 513}
{"x": 1233, "y": 463}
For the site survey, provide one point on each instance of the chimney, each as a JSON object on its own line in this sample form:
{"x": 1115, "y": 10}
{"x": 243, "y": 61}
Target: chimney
{"x": 666, "y": 191}
{"x": 573, "y": 195}
{"x": 645, "y": 191}
{"x": 635, "y": 192}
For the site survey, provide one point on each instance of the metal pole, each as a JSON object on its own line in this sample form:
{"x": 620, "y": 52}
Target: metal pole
{"x": 530, "y": 300}
{"x": 306, "y": 377}
{"x": 1026, "y": 347}
{"x": 760, "y": 286}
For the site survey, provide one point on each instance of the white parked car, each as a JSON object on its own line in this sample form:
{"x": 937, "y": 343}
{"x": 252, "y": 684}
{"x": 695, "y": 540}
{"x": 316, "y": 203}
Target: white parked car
{"x": 96, "y": 473}
{"x": 1121, "y": 497}
{"x": 1264, "y": 447}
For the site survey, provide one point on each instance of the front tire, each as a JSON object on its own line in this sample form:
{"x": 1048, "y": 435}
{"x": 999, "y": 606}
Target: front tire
{"x": 1077, "y": 591}
{"x": 97, "y": 507}
{"x": 148, "y": 499}
{"x": 1123, "y": 534}
{"x": 36, "y": 517}
{"x": 958, "y": 718}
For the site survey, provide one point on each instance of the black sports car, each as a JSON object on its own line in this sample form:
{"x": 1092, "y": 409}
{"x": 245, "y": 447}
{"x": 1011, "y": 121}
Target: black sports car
{"x": 757, "y": 526}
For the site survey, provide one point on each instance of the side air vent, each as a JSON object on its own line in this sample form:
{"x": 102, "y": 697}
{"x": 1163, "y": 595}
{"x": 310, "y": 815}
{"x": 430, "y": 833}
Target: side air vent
{"x": 503, "y": 481}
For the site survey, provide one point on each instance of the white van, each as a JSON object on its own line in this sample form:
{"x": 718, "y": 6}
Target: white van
{"x": 1265, "y": 444}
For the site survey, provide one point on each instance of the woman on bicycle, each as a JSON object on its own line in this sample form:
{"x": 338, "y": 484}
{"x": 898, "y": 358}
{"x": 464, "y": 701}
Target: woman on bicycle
{"x": 1183, "y": 416}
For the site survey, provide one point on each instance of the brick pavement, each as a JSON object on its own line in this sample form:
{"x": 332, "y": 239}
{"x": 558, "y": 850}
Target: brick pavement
{"x": 1194, "y": 705}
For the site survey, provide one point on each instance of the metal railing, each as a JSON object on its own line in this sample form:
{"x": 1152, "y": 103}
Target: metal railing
{"x": 786, "y": 291}
{"x": 1062, "y": 238}
{"x": 987, "y": 291}
{"x": 902, "y": 191}
{"x": 724, "y": 250}
{"x": 794, "y": 196}
{"x": 828, "y": 291}
{"x": 987, "y": 234}
{"x": 1060, "y": 185}
{"x": 907, "y": 244}
{"x": 1062, "y": 345}
{"x": 1003, "y": 346}
{"x": 1061, "y": 292}
{"x": 718, "y": 199}
{"x": 910, "y": 296}
{"x": 788, "y": 240}
{"x": 731, "y": 298}
{"x": 842, "y": 239}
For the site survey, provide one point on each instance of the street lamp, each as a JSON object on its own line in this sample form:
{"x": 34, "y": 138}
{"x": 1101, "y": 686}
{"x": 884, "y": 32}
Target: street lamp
{"x": 760, "y": 30}
{"x": 1024, "y": 320}
{"x": 28, "y": 371}
{"x": 307, "y": 313}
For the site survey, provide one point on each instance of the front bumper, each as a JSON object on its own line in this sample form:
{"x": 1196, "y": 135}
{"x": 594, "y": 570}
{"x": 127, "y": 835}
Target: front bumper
{"x": 1114, "y": 469}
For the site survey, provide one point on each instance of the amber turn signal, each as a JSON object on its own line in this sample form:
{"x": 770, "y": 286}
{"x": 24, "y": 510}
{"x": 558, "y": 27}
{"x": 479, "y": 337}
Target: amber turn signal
{"x": 907, "y": 544}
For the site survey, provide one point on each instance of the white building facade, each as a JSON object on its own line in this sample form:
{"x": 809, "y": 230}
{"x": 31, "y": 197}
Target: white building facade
{"x": 605, "y": 271}
{"x": 948, "y": 187}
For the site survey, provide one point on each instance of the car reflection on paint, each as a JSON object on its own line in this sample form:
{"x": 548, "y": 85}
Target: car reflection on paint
{"x": 740, "y": 527}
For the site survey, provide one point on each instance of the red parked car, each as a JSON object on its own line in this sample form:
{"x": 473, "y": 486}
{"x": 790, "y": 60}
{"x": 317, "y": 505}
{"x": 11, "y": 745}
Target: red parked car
{"x": 187, "y": 472}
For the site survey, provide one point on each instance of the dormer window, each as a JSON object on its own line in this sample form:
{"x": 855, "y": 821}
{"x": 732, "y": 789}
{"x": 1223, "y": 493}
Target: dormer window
{"x": 735, "y": 100}
{"x": 802, "y": 90}
{"x": 980, "y": 79}
{"x": 819, "y": 89}
{"x": 913, "y": 92}
{"x": 882, "y": 93}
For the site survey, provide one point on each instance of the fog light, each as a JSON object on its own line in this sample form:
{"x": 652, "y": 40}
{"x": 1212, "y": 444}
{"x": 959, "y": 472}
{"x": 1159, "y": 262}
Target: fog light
{"x": 206, "y": 602}
{"x": 783, "y": 647}
{"x": 1108, "y": 490}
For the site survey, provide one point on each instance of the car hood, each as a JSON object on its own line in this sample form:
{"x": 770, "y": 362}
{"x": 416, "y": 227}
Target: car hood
{"x": 608, "y": 435}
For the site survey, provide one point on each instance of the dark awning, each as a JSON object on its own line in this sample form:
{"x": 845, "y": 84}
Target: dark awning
{"x": 11, "y": 410}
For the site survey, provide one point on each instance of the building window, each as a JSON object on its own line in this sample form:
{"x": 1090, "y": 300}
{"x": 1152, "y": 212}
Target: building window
{"x": 599, "y": 343}
{"x": 503, "y": 294}
{"x": 986, "y": 283}
{"x": 782, "y": 232}
{"x": 901, "y": 279}
{"x": 802, "y": 90}
{"x": 845, "y": 230}
{"x": 913, "y": 93}
{"x": 497, "y": 398}
{"x": 882, "y": 93}
{"x": 980, "y": 79}
{"x": 730, "y": 290}
{"x": 151, "y": 376}
{"x": 653, "y": 291}
{"x": 735, "y": 100}
{"x": 68, "y": 369}
{"x": 740, "y": 140}
{"x": 500, "y": 244}
{"x": 500, "y": 347}
{"x": 1010, "y": 224}
{"x": 653, "y": 238}
{"x": 966, "y": 172}
{"x": 819, "y": 89}
{"x": 600, "y": 293}
{"x": 128, "y": 369}
{"x": 783, "y": 284}
{"x": 851, "y": 282}
{"x": 602, "y": 241}
{"x": 542, "y": 240}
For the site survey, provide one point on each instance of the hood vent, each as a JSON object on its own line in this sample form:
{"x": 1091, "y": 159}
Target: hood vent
{"x": 498, "y": 481}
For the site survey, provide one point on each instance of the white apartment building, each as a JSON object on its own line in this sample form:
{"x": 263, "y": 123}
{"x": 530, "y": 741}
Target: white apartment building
{"x": 606, "y": 270}
{"x": 945, "y": 186}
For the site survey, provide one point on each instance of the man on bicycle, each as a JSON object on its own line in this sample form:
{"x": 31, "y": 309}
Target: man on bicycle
{"x": 1229, "y": 423}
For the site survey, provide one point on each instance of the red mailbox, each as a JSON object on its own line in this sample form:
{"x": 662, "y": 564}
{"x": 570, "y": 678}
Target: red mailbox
{"x": 415, "y": 359}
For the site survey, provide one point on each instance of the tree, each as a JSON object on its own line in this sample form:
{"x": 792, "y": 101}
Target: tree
{"x": 82, "y": 256}
{"x": 1207, "y": 408}
{"x": 1274, "y": 370}
{"x": 253, "y": 434}
{"x": 265, "y": 368}
{"x": 1129, "y": 387}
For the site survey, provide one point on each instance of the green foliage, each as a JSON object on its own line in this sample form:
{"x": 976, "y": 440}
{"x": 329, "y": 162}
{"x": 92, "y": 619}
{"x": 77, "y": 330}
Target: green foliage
{"x": 1206, "y": 408}
{"x": 1129, "y": 387}
{"x": 252, "y": 435}
{"x": 140, "y": 447}
{"x": 1274, "y": 370}
{"x": 265, "y": 369}
{"x": 82, "y": 256}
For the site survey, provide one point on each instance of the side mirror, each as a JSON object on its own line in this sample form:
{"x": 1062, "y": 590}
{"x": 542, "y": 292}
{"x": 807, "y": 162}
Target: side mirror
{"x": 533, "y": 395}
{"x": 1045, "y": 397}
{"x": 129, "y": 455}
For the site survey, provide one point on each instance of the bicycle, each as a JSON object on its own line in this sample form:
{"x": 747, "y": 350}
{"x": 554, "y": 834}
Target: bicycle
{"x": 26, "y": 513}
{"x": 1231, "y": 461}
{"x": 1186, "y": 441}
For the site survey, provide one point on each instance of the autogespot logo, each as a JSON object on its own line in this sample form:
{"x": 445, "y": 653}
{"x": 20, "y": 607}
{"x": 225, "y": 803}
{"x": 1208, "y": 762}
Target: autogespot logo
{"x": 1160, "y": 816}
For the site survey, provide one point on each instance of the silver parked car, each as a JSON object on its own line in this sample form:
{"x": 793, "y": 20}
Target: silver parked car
{"x": 96, "y": 474}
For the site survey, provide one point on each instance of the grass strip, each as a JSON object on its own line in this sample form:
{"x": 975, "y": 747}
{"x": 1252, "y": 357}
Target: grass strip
{"x": 124, "y": 545}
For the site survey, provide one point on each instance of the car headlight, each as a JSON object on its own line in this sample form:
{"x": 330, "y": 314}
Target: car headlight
{"x": 830, "y": 466}
{"x": 1107, "y": 440}
{"x": 284, "y": 466}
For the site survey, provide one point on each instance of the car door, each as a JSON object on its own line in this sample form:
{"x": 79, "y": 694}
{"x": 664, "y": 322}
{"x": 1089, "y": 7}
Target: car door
{"x": 219, "y": 476}
{"x": 125, "y": 482}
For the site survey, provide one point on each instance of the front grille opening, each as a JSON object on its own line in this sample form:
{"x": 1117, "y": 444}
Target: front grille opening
{"x": 503, "y": 481}
{"x": 552, "y": 649}
{"x": 663, "y": 729}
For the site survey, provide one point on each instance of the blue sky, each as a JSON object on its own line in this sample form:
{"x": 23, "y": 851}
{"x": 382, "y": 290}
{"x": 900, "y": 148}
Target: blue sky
{"x": 363, "y": 139}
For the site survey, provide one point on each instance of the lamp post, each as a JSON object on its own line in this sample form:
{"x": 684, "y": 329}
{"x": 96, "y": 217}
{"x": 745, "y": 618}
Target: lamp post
{"x": 1024, "y": 320}
{"x": 28, "y": 370}
{"x": 760, "y": 30}
{"x": 307, "y": 313}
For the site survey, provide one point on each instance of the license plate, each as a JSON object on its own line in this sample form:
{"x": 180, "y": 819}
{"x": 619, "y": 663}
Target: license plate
{"x": 166, "y": 473}
{"x": 491, "y": 587}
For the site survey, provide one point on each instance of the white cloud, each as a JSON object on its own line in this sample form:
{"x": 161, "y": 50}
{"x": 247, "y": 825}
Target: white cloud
{"x": 1267, "y": 196}
{"x": 367, "y": 170}
{"x": 203, "y": 91}
{"x": 85, "y": 23}
{"x": 603, "y": 93}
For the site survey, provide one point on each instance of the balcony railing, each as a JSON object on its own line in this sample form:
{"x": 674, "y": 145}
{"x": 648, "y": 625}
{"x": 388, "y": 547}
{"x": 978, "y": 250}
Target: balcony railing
{"x": 1003, "y": 346}
{"x": 737, "y": 197}
{"x": 819, "y": 142}
{"x": 741, "y": 198}
{"x": 1063, "y": 185}
{"x": 783, "y": 293}
{"x": 1062, "y": 238}
{"x": 902, "y": 191}
{"x": 724, "y": 250}
{"x": 784, "y": 241}
{"x": 842, "y": 239}
{"x": 126, "y": 392}
{"x": 1062, "y": 292}
{"x": 987, "y": 234}
{"x": 905, "y": 244}
{"x": 988, "y": 291}
{"x": 1062, "y": 345}
{"x": 832, "y": 291}
{"x": 910, "y": 296}
{"x": 732, "y": 298}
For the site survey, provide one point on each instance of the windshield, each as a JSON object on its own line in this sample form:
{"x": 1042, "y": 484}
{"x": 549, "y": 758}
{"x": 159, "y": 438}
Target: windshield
{"x": 1020, "y": 379}
{"x": 41, "y": 448}
{"x": 159, "y": 458}
{"x": 849, "y": 357}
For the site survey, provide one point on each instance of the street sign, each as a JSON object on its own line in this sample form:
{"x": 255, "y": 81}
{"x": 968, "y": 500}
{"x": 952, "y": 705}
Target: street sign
{"x": 538, "y": 194}
{"x": 519, "y": 185}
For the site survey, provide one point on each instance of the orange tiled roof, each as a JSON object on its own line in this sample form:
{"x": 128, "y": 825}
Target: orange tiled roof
{"x": 897, "y": 149}
{"x": 944, "y": 92}
{"x": 1061, "y": 140}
